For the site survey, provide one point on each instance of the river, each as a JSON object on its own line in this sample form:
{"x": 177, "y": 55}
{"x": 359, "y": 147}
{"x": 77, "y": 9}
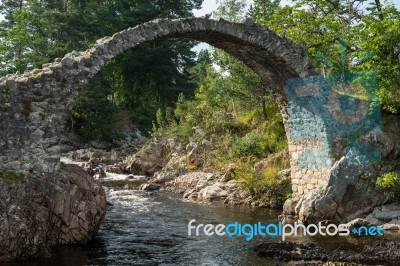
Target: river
{"x": 142, "y": 228}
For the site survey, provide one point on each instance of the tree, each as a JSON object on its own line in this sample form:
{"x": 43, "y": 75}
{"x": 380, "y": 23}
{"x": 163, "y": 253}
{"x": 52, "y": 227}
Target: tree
{"x": 320, "y": 25}
{"x": 199, "y": 71}
{"x": 141, "y": 80}
{"x": 232, "y": 10}
{"x": 263, "y": 9}
{"x": 242, "y": 84}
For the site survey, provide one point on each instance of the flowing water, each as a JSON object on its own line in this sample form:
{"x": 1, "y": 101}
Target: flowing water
{"x": 143, "y": 228}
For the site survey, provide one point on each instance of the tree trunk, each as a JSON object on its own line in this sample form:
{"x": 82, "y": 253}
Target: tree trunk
{"x": 379, "y": 9}
{"x": 263, "y": 103}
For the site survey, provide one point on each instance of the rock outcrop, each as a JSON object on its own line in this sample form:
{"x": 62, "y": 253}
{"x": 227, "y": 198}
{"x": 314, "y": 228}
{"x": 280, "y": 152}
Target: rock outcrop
{"x": 384, "y": 253}
{"x": 47, "y": 210}
{"x": 202, "y": 187}
{"x": 150, "y": 159}
{"x": 387, "y": 216}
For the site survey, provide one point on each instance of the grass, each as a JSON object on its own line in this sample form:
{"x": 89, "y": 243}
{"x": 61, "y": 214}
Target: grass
{"x": 264, "y": 185}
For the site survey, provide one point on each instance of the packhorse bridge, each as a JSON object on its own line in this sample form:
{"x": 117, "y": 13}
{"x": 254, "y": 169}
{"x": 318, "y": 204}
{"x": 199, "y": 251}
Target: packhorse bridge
{"x": 34, "y": 106}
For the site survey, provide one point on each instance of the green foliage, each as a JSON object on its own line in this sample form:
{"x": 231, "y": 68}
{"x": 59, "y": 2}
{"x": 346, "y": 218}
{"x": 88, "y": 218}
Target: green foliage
{"x": 319, "y": 25}
{"x": 199, "y": 71}
{"x": 389, "y": 182}
{"x": 252, "y": 144}
{"x": 141, "y": 80}
{"x": 225, "y": 111}
{"x": 232, "y": 10}
{"x": 264, "y": 185}
{"x": 93, "y": 112}
{"x": 259, "y": 145}
{"x": 263, "y": 9}
{"x": 160, "y": 120}
{"x": 274, "y": 188}
{"x": 12, "y": 176}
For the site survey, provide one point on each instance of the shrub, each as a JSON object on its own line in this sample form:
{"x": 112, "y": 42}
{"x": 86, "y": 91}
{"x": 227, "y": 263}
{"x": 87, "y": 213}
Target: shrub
{"x": 389, "y": 182}
{"x": 265, "y": 187}
{"x": 250, "y": 117}
{"x": 221, "y": 123}
{"x": 252, "y": 144}
{"x": 184, "y": 132}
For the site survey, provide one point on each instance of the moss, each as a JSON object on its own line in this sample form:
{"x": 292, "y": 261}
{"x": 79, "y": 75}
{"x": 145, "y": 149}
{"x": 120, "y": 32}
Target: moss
{"x": 13, "y": 176}
{"x": 6, "y": 90}
{"x": 26, "y": 109}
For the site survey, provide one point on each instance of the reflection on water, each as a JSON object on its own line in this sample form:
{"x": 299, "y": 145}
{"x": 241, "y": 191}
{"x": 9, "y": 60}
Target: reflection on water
{"x": 151, "y": 229}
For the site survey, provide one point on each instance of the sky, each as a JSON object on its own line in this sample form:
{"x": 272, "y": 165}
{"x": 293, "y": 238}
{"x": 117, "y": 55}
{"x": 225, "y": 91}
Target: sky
{"x": 209, "y": 6}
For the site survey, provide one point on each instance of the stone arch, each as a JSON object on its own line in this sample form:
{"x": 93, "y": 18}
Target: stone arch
{"x": 34, "y": 105}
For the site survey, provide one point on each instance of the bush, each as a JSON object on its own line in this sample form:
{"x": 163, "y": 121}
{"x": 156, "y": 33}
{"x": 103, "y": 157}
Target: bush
{"x": 389, "y": 182}
{"x": 252, "y": 144}
{"x": 221, "y": 123}
{"x": 251, "y": 117}
{"x": 273, "y": 190}
{"x": 265, "y": 187}
{"x": 183, "y": 132}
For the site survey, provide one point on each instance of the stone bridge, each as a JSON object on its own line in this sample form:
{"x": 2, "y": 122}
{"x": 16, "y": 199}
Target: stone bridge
{"x": 34, "y": 106}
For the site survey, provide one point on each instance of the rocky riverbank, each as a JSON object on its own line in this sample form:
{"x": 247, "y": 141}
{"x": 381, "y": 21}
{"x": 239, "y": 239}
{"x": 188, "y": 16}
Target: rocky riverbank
{"x": 309, "y": 254}
{"x": 164, "y": 164}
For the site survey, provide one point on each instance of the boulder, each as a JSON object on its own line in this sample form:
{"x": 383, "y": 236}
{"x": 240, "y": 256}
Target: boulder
{"x": 24, "y": 228}
{"x": 114, "y": 169}
{"x": 387, "y": 213}
{"x": 392, "y": 225}
{"x": 284, "y": 173}
{"x": 81, "y": 155}
{"x": 356, "y": 223}
{"x": 379, "y": 139}
{"x": 201, "y": 184}
{"x": 227, "y": 176}
{"x": 164, "y": 177}
{"x": 151, "y": 158}
{"x": 47, "y": 210}
{"x": 306, "y": 206}
{"x": 392, "y": 130}
{"x": 212, "y": 193}
{"x": 131, "y": 181}
{"x": 150, "y": 187}
{"x": 185, "y": 182}
{"x": 258, "y": 166}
